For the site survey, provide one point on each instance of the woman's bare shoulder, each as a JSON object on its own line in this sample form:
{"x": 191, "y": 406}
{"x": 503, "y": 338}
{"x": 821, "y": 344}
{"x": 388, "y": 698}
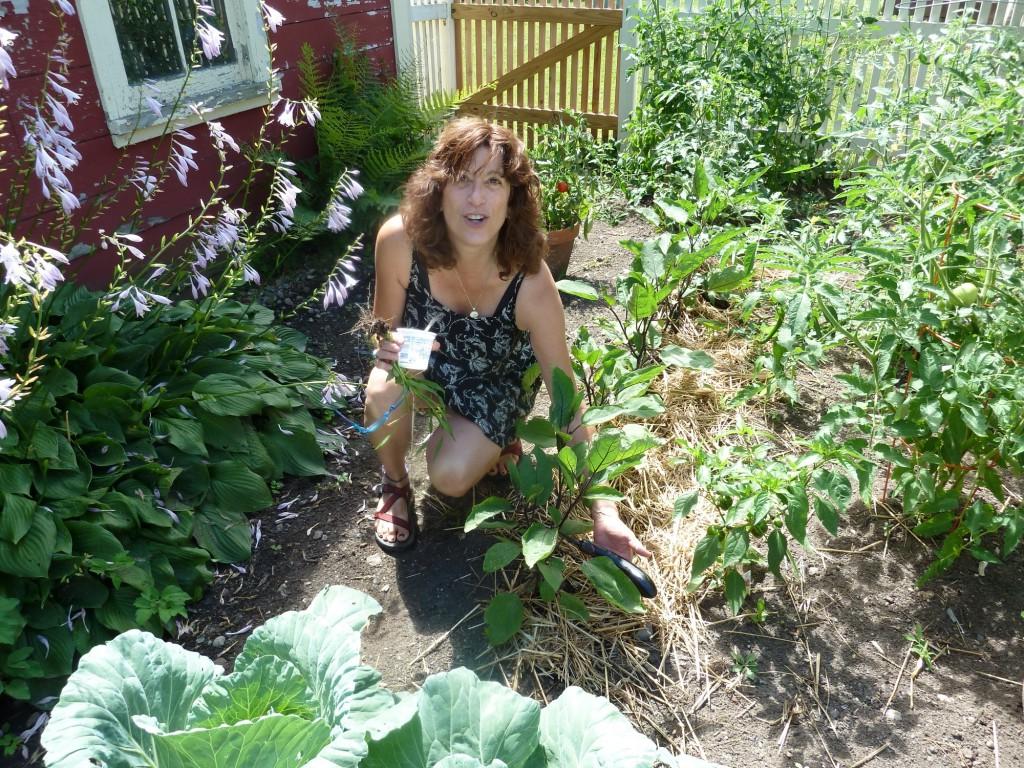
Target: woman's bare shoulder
{"x": 392, "y": 236}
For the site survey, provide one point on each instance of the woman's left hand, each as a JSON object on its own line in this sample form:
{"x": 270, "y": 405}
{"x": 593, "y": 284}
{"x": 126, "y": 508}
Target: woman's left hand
{"x": 611, "y": 533}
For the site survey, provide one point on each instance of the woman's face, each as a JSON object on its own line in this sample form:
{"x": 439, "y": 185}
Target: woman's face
{"x": 475, "y": 204}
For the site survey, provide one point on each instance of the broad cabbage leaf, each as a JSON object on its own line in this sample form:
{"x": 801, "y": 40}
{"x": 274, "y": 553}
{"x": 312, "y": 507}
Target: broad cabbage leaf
{"x": 295, "y": 689}
{"x": 459, "y": 721}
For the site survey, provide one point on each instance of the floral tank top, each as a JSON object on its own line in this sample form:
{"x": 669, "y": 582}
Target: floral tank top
{"x": 485, "y": 366}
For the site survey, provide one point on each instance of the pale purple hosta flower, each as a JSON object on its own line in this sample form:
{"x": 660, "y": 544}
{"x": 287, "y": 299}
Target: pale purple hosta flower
{"x": 250, "y": 275}
{"x": 142, "y": 180}
{"x": 55, "y": 153}
{"x": 154, "y": 106}
{"x": 140, "y": 299}
{"x": 66, "y": 6}
{"x": 181, "y": 156}
{"x": 338, "y": 213}
{"x": 221, "y": 138}
{"x": 287, "y": 116}
{"x": 6, "y": 331}
{"x": 15, "y": 272}
{"x": 222, "y": 236}
{"x": 287, "y": 194}
{"x": 47, "y": 276}
{"x": 200, "y": 284}
{"x": 310, "y": 110}
{"x": 210, "y": 38}
{"x": 347, "y": 186}
{"x": 341, "y": 282}
{"x": 273, "y": 17}
{"x": 206, "y": 9}
{"x": 122, "y": 241}
{"x": 337, "y": 390}
{"x": 7, "y": 39}
{"x": 8, "y": 397}
{"x": 55, "y": 81}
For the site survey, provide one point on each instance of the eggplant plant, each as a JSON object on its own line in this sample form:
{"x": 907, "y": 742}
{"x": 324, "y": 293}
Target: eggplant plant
{"x": 549, "y": 484}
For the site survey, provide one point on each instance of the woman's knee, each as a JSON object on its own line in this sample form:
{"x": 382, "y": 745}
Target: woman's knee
{"x": 450, "y": 477}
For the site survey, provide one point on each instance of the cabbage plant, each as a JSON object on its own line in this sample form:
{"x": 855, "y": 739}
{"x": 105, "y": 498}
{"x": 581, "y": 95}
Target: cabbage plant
{"x": 298, "y": 697}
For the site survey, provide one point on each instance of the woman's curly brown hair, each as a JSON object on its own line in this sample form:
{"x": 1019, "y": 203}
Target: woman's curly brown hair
{"x": 521, "y": 242}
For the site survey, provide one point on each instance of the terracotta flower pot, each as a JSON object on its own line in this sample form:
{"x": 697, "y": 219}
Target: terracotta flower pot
{"x": 560, "y": 243}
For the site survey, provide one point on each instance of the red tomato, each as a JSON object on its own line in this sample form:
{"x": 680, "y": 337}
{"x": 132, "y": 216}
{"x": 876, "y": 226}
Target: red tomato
{"x": 562, "y": 186}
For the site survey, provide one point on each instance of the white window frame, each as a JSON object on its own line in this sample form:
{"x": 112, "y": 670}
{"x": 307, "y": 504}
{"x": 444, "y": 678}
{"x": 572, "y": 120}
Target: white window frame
{"x": 223, "y": 90}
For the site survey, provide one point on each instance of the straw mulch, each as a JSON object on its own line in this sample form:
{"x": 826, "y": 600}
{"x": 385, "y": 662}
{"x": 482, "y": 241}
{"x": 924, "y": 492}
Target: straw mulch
{"x": 652, "y": 666}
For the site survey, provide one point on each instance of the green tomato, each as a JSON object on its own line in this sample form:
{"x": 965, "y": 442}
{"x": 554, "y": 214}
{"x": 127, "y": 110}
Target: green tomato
{"x": 965, "y": 295}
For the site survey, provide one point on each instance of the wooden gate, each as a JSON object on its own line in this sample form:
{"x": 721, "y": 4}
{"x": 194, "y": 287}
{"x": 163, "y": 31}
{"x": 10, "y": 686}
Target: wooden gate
{"x": 527, "y": 64}
{"x": 522, "y": 62}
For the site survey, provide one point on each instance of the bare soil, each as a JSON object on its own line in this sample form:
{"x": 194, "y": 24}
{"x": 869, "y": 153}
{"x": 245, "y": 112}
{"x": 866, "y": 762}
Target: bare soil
{"x": 833, "y": 682}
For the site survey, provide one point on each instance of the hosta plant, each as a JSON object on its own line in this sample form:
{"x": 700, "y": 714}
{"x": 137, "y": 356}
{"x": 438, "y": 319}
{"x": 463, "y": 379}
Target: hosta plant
{"x": 298, "y": 696}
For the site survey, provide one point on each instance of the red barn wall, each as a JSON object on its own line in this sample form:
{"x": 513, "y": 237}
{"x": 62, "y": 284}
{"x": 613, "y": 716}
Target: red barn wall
{"x": 103, "y": 165}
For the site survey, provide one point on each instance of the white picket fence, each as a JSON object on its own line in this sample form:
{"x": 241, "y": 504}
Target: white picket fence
{"x": 425, "y": 39}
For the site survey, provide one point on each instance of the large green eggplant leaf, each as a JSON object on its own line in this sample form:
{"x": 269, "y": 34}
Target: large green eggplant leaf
{"x": 580, "y": 730}
{"x": 274, "y": 741}
{"x": 269, "y": 684}
{"x": 611, "y": 582}
{"x": 224, "y": 534}
{"x": 133, "y": 674}
{"x": 462, "y": 715}
{"x": 324, "y": 647}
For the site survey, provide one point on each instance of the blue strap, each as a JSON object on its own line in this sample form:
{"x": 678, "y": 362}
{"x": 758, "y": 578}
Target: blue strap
{"x": 380, "y": 422}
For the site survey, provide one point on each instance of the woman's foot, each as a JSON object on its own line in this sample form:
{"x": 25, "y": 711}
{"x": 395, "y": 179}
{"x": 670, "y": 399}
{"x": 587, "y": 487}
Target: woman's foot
{"x": 394, "y": 521}
{"x": 510, "y": 454}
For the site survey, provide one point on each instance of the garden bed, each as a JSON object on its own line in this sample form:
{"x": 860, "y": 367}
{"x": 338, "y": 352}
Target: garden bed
{"x": 822, "y": 678}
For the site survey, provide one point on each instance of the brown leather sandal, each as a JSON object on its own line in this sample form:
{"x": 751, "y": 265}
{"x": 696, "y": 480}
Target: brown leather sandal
{"x": 392, "y": 493}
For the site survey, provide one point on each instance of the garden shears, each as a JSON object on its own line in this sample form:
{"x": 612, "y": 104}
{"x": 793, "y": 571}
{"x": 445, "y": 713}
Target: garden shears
{"x": 634, "y": 573}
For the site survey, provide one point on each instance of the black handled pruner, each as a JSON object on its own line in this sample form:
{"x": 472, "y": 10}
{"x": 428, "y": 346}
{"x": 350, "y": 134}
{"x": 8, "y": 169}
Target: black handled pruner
{"x": 636, "y": 575}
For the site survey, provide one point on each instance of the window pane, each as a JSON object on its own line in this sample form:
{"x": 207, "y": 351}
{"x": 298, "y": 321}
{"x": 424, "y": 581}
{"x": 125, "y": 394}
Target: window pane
{"x": 149, "y": 46}
{"x": 185, "y": 10}
{"x": 146, "y": 38}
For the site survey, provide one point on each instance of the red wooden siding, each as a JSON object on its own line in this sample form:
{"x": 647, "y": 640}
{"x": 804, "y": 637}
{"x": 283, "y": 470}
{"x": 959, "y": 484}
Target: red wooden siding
{"x": 312, "y": 21}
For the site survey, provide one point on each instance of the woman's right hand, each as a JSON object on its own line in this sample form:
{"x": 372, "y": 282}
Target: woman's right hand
{"x": 387, "y": 353}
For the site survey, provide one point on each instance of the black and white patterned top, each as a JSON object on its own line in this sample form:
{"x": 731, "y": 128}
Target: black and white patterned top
{"x": 483, "y": 363}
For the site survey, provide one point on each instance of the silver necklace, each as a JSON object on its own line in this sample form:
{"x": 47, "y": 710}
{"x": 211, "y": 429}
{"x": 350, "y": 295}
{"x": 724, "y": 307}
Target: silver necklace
{"x": 472, "y": 304}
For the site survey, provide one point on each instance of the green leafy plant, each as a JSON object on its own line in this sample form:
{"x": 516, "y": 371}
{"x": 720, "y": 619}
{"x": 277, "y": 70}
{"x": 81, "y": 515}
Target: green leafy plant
{"x": 133, "y": 461}
{"x": 761, "y": 495}
{"x": 921, "y": 647}
{"x": 744, "y": 665}
{"x": 138, "y": 427}
{"x": 548, "y": 485}
{"x": 571, "y": 165}
{"x": 377, "y": 124}
{"x": 298, "y": 696}
{"x": 746, "y": 86}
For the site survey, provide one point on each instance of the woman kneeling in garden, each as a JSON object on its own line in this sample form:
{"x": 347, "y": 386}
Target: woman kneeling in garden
{"x": 465, "y": 257}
